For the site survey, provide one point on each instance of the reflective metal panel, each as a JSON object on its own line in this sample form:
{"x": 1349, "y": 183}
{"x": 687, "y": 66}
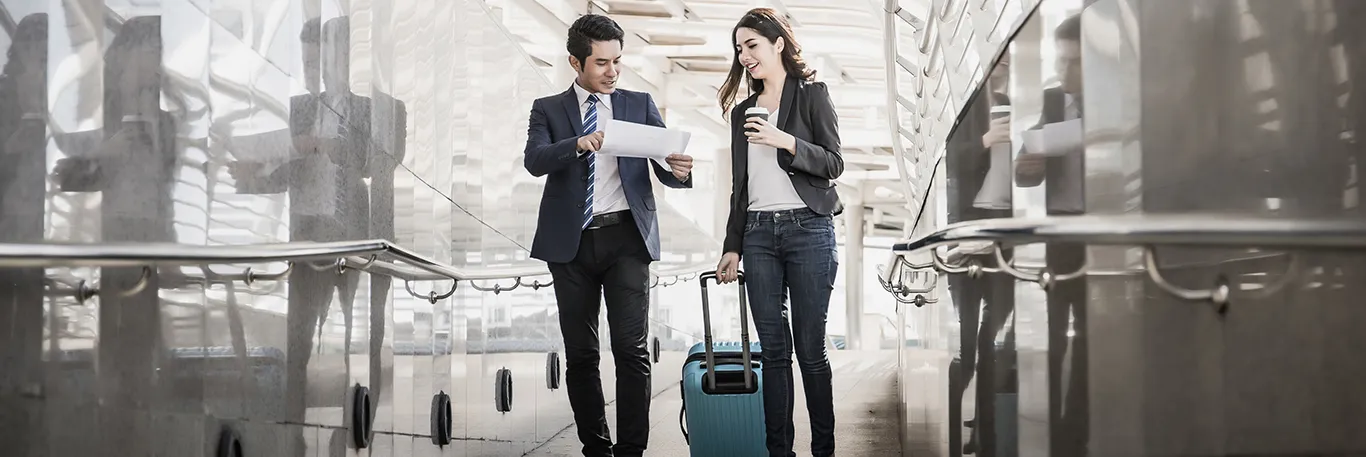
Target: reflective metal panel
{"x": 235, "y": 122}
{"x": 1147, "y": 108}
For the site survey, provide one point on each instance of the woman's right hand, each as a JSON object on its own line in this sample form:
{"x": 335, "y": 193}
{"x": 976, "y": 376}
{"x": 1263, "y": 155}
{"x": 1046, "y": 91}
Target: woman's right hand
{"x": 728, "y": 268}
{"x": 998, "y": 134}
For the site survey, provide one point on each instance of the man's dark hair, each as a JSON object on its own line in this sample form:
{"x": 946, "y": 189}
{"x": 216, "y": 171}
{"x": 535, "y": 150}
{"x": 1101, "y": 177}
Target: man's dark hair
{"x": 589, "y": 28}
{"x": 1069, "y": 29}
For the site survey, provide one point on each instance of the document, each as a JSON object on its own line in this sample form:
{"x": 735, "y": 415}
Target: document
{"x": 627, "y": 139}
{"x": 1056, "y": 139}
{"x": 272, "y": 149}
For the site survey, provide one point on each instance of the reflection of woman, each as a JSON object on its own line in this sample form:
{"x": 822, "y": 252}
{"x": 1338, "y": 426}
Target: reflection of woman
{"x": 134, "y": 168}
{"x": 783, "y": 199}
{"x": 984, "y": 129}
{"x": 23, "y": 131}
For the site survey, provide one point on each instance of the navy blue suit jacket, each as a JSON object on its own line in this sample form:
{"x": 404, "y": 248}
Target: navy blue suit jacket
{"x": 552, "y": 151}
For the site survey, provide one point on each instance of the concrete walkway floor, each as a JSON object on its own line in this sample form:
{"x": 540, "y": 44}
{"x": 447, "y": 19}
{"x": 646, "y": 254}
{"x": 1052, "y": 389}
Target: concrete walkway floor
{"x": 865, "y": 411}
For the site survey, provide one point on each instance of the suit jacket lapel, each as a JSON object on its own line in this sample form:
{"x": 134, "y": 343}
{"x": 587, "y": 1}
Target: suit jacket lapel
{"x": 785, "y": 106}
{"x": 740, "y": 164}
{"x": 619, "y": 113}
{"x": 618, "y": 106}
{"x": 571, "y": 108}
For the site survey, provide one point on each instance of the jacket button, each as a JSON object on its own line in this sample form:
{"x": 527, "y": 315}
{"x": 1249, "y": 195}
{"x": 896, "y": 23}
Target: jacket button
{"x": 580, "y": 205}
{"x": 583, "y": 178}
{"x": 792, "y": 173}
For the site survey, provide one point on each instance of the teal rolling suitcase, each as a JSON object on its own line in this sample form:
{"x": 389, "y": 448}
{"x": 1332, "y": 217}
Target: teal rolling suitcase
{"x": 723, "y": 397}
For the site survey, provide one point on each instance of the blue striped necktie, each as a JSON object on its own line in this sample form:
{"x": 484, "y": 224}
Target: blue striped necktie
{"x": 590, "y": 125}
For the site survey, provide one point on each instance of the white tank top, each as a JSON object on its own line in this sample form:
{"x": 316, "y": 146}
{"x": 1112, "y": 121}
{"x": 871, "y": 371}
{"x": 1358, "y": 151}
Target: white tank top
{"x": 770, "y": 188}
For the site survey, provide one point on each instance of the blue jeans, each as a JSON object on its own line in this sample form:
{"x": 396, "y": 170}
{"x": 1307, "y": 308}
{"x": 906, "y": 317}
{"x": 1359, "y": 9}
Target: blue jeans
{"x": 784, "y": 251}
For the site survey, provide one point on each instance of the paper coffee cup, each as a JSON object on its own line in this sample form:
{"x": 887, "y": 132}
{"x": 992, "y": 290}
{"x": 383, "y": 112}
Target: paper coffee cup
{"x": 1000, "y": 111}
{"x": 755, "y": 111}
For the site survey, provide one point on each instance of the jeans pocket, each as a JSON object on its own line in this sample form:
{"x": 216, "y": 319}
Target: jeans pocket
{"x": 817, "y": 224}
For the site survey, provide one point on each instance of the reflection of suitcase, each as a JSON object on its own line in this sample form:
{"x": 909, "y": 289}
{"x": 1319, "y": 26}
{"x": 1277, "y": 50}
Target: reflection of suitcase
{"x": 723, "y": 401}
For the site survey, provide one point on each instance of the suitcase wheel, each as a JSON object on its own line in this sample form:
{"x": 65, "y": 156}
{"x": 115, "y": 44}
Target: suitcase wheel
{"x": 552, "y": 370}
{"x": 229, "y": 444}
{"x": 441, "y": 419}
{"x": 502, "y": 390}
{"x": 654, "y": 346}
{"x": 362, "y": 423}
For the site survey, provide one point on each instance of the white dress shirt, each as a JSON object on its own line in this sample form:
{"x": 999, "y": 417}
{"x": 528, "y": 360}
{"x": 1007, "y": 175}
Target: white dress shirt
{"x": 770, "y": 188}
{"x": 608, "y": 196}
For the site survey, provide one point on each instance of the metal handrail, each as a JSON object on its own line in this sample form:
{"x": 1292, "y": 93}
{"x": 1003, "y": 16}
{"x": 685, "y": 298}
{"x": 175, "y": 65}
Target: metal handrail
{"x": 372, "y": 256}
{"x": 1147, "y": 231}
{"x": 1206, "y": 230}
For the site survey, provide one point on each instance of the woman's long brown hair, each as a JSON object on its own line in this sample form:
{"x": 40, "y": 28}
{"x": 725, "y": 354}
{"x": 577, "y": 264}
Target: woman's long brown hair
{"x": 772, "y": 26}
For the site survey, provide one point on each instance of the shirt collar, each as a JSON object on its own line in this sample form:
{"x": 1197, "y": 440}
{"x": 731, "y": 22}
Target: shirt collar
{"x": 603, "y": 99}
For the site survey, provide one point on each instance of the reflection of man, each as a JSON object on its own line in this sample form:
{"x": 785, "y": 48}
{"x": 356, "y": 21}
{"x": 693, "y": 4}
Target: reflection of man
{"x": 1061, "y": 170}
{"x": 339, "y": 138}
{"x": 984, "y": 131}
{"x": 23, "y": 173}
{"x": 599, "y": 233}
{"x": 327, "y": 198}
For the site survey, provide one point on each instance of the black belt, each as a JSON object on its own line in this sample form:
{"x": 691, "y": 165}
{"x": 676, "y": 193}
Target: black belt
{"x": 608, "y": 219}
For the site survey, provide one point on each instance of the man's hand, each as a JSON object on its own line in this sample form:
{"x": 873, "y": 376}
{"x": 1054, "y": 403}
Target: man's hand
{"x": 240, "y": 170}
{"x": 728, "y": 266}
{"x": 999, "y": 132}
{"x": 590, "y": 142}
{"x": 681, "y": 165}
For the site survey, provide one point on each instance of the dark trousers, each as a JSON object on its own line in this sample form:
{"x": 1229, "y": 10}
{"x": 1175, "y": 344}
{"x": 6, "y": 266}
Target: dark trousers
{"x": 612, "y": 263}
{"x": 311, "y": 289}
{"x": 21, "y": 356}
{"x": 792, "y": 251}
{"x": 1068, "y": 408}
{"x": 978, "y": 345}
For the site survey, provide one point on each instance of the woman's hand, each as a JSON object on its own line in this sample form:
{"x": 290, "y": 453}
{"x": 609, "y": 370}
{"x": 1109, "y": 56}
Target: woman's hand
{"x": 728, "y": 266}
{"x": 769, "y": 135}
{"x": 998, "y": 134}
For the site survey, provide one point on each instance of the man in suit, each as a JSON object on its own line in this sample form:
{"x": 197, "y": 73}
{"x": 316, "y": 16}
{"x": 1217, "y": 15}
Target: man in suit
{"x": 598, "y": 232}
{"x": 1062, "y": 172}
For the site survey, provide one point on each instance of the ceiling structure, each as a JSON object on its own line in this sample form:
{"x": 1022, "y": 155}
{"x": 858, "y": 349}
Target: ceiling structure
{"x": 680, "y": 51}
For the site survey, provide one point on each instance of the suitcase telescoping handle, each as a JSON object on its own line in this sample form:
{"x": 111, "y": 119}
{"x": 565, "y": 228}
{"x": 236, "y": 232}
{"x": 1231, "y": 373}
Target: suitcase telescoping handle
{"x": 744, "y": 330}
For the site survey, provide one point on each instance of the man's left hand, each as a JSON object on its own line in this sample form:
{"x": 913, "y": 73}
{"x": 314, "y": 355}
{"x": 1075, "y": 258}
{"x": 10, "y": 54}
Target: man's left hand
{"x": 681, "y": 165}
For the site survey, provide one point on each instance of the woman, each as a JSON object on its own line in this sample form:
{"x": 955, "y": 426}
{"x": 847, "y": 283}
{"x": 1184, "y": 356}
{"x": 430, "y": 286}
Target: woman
{"x": 782, "y": 202}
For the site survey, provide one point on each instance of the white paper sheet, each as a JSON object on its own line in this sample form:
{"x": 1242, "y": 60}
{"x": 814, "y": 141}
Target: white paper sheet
{"x": 1056, "y": 139}
{"x": 272, "y": 148}
{"x": 627, "y": 139}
